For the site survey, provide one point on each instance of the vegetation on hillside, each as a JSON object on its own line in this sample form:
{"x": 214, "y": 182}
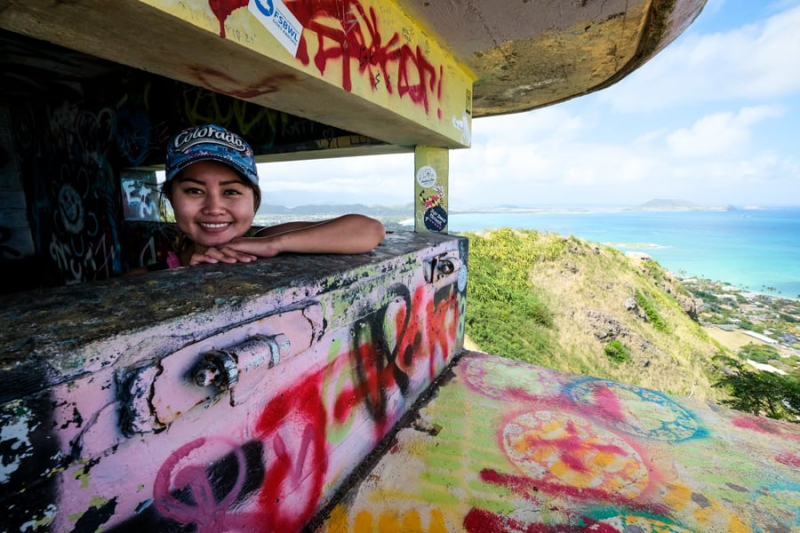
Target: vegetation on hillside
{"x": 585, "y": 308}
{"x": 508, "y": 315}
{"x": 763, "y": 393}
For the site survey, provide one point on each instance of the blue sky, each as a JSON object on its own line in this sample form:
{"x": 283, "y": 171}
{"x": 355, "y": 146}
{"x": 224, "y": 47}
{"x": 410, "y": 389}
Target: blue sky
{"x": 713, "y": 119}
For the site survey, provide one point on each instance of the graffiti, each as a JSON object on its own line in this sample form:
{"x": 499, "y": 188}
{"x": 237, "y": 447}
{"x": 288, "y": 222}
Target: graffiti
{"x": 636, "y": 411}
{"x": 292, "y": 428}
{"x": 191, "y": 494}
{"x": 558, "y": 448}
{"x": 257, "y": 123}
{"x": 222, "y": 10}
{"x": 140, "y": 200}
{"x": 480, "y": 521}
{"x": 74, "y": 217}
{"x": 373, "y": 361}
{"x": 499, "y": 378}
{"x": 385, "y": 352}
{"x": 347, "y": 33}
{"x": 410, "y": 521}
{"x": 523, "y": 448}
{"x": 78, "y": 245}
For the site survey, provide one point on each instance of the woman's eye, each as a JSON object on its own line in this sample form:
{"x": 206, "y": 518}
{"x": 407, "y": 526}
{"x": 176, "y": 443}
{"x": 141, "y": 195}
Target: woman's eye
{"x": 192, "y": 190}
{"x": 232, "y": 192}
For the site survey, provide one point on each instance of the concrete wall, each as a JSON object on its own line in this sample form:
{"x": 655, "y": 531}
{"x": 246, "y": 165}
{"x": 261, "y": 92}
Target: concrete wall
{"x": 105, "y": 426}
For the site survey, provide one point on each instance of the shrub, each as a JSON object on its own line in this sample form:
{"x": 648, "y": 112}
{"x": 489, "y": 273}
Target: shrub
{"x": 760, "y": 353}
{"x": 618, "y": 352}
{"x": 649, "y": 308}
{"x": 507, "y": 315}
{"x": 760, "y": 393}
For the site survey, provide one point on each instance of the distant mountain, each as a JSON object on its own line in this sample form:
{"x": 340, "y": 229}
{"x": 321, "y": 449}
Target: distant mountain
{"x": 338, "y": 209}
{"x": 661, "y": 203}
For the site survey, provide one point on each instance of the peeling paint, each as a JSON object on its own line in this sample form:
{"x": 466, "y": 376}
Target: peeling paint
{"x": 16, "y": 424}
{"x": 46, "y": 520}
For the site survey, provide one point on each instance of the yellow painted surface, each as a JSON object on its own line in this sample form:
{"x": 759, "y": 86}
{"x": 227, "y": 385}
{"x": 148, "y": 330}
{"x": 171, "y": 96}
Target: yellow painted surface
{"x": 431, "y": 176}
{"x": 368, "y": 48}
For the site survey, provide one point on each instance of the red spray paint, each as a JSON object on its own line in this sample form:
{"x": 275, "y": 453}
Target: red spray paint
{"x": 222, "y": 10}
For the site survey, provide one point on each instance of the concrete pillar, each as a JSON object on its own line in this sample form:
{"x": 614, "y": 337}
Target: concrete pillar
{"x": 431, "y": 170}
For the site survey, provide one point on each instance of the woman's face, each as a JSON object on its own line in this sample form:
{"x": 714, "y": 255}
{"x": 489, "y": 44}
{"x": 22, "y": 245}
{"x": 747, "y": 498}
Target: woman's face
{"x": 212, "y": 203}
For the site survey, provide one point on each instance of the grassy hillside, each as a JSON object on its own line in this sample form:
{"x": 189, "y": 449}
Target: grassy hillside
{"x": 585, "y": 308}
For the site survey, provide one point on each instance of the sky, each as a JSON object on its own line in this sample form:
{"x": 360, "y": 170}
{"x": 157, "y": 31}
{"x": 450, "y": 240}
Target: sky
{"x": 713, "y": 119}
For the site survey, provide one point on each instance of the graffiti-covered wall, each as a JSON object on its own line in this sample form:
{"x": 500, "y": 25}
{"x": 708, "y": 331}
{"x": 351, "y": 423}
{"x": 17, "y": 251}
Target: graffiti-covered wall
{"x": 72, "y": 125}
{"x": 211, "y": 400}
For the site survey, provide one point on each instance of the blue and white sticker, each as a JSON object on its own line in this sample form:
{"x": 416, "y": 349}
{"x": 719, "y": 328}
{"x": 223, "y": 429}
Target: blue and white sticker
{"x": 279, "y": 21}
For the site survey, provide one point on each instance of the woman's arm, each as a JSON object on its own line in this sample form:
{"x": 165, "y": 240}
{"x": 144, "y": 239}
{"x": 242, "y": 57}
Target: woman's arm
{"x": 348, "y": 234}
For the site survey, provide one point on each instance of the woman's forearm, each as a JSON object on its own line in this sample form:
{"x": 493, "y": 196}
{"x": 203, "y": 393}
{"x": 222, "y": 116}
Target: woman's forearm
{"x": 348, "y": 234}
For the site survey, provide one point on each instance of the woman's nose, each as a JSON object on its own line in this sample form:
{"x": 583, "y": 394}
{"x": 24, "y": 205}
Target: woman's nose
{"x": 213, "y": 204}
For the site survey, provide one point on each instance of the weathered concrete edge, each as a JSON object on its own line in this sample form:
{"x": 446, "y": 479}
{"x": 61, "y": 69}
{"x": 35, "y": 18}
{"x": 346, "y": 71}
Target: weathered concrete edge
{"x": 389, "y": 440}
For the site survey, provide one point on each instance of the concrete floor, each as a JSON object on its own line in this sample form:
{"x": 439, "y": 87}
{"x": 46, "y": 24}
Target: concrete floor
{"x": 505, "y": 446}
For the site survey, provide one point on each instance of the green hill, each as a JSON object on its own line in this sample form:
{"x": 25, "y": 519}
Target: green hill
{"x": 581, "y": 307}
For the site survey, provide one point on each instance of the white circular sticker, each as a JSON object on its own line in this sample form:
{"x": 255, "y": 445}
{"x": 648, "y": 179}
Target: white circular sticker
{"x": 462, "y": 279}
{"x": 426, "y": 176}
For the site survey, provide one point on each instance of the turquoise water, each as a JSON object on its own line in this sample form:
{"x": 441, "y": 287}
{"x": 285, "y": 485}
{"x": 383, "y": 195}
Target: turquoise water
{"x": 753, "y": 249}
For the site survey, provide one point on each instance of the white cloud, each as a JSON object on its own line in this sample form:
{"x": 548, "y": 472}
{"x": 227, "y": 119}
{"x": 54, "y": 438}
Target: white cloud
{"x": 720, "y": 133}
{"x": 581, "y": 153}
{"x": 755, "y": 61}
{"x": 550, "y": 122}
{"x": 713, "y": 6}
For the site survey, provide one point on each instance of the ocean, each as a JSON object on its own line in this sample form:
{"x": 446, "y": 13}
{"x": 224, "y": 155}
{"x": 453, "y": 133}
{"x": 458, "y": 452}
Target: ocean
{"x": 756, "y": 250}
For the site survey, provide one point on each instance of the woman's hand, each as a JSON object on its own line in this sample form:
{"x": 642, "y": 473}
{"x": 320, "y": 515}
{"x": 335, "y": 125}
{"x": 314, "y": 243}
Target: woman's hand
{"x": 216, "y": 254}
{"x": 255, "y": 246}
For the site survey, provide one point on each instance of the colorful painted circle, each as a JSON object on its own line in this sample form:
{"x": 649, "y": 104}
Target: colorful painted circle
{"x": 502, "y": 378}
{"x": 435, "y": 218}
{"x": 636, "y": 411}
{"x": 568, "y": 450}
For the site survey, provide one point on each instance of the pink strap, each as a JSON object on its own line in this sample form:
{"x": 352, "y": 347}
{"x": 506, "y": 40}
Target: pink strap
{"x": 173, "y": 261}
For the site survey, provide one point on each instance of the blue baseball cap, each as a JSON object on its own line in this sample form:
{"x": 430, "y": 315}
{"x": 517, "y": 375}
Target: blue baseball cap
{"x": 210, "y": 143}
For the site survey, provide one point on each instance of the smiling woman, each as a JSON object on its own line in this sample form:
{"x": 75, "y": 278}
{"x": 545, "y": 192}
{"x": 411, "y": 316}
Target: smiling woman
{"x": 212, "y": 185}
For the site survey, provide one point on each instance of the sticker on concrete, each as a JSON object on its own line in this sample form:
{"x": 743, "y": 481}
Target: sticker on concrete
{"x": 426, "y": 176}
{"x": 462, "y": 279}
{"x": 279, "y": 21}
{"x": 435, "y": 218}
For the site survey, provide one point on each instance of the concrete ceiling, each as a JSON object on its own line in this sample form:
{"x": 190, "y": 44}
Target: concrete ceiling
{"x": 401, "y": 77}
{"x": 532, "y": 53}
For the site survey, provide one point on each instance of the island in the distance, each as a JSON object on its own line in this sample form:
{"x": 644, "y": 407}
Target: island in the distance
{"x": 660, "y": 204}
